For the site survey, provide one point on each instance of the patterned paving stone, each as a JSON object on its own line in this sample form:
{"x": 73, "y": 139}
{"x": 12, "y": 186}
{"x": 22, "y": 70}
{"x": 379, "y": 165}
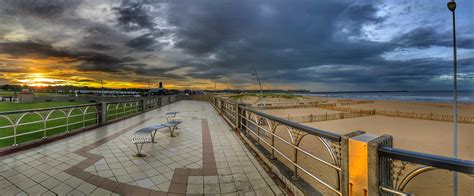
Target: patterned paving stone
{"x": 204, "y": 158}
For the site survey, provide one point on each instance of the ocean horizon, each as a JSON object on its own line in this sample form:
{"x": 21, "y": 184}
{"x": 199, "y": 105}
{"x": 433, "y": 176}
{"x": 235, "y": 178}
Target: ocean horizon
{"x": 464, "y": 96}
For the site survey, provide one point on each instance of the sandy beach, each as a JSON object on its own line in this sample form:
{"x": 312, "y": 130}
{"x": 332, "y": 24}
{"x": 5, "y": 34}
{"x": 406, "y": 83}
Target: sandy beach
{"x": 427, "y": 136}
{"x": 423, "y": 107}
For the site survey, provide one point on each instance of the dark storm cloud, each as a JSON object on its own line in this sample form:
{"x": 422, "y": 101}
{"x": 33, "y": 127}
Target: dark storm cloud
{"x": 357, "y": 15}
{"x": 289, "y": 42}
{"x": 424, "y": 37}
{"x": 39, "y": 8}
{"x": 97, "y": 46}
{"x": 145, "y": 42}
{"x": 283, "y": 38}
{"x": 31, "y": 48}
{"x": 271, "y": 35}
{"x": 90, "y": 61}
{"x": 134, "y": 15}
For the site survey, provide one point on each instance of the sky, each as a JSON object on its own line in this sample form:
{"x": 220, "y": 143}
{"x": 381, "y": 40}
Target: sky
{"x": 337, "y": 45}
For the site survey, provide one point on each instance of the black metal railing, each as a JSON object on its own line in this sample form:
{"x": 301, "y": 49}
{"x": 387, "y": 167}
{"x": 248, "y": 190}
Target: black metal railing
{"x": 405, "y": 166}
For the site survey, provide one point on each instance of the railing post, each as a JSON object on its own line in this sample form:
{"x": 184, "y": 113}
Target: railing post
{"x": 103, "y": 112}
{"x": 14, "y": 135}
{"x": 272, "y": 155}
{"x": 67, "y": 126}
{"x": 376, "y": 165}
{"x": 84, "y": 119}
{"x": 142, "y": 105}
{"x": 243, "y": 121}
{"x": 295, "y": 168}
{"x": 237, "y": 117}
{"x": 44, "y": 128}
{"x": 364, "y": 173}
{"x": 344, "y": 175}
{"x": 222, "y": 106}
{"x": 258, "y": 132}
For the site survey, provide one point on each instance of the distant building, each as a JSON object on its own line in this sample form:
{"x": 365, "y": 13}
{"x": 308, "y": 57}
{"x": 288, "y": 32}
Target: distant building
{"x": 106, "y": 92}
{"x": 157, "y": 91}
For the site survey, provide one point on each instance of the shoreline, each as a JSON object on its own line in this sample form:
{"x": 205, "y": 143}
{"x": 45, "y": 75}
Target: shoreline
{"x": 422, "y": 99}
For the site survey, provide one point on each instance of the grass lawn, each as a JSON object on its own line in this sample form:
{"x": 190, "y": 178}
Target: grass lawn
{"x": 8, "y": 106}
{"x": 33, "y": 126}
{"x": 5, "y": 93}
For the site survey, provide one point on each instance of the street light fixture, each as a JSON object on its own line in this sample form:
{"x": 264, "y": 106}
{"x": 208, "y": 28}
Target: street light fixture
{"x": 260, "y": 85}
{"x": 452, "y": 7}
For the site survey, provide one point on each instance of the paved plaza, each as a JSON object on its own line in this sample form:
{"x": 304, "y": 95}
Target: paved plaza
{"x": 205, "y": 157}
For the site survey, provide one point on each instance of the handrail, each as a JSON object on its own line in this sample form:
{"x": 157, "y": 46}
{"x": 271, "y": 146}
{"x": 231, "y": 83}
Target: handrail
{"x": 140, "y": 98}
{"x": 127, "y": 101}
{"x": 101, "y": 115}
{"x": 310, "y": 130}
{"x": 47, "y": 109}
{"x": 453, "y": 164}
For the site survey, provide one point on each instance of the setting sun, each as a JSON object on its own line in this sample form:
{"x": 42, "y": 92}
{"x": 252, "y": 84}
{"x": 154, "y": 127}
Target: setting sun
{"x": 38, "y": 79}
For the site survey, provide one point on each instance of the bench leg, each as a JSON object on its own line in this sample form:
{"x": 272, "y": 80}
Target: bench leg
{"x": 139, "y": 151}
{"x": 153, "y": 136}
{"x": 171, "y": 131}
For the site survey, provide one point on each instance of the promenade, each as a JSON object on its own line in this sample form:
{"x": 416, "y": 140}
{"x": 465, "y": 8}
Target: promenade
{"x": 205, "y": 157}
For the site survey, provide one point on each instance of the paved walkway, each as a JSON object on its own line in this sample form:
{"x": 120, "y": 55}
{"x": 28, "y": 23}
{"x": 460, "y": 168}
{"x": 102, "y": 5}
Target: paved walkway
{"x": 204, "y": 158}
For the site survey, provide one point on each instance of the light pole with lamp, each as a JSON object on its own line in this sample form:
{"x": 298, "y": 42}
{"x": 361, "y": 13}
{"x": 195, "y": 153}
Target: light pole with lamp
{"x": 261, "y": 90}
{"x": 452, "y": 8}
{"x": 228, "y": 86}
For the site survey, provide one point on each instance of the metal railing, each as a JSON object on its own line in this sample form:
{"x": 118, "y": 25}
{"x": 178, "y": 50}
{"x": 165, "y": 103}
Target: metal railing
{"x": 117, "y": 110}
{"x": 229, "y": 112}
{"x": 277, "y": 134}
{"x": 397, "y": 168}
{"x": 23, "y": 126}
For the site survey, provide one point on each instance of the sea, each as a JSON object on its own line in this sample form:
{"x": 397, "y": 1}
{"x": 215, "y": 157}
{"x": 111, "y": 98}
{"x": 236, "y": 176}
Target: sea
{"x": 464, "y": 96}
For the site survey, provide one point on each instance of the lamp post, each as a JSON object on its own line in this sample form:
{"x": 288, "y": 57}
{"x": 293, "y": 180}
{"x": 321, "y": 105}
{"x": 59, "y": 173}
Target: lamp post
{"x": 452, "y": 7}
{"x": 261, "y": 90}
{"x": 228, "y": 86}
{"x": 102, "y": 86}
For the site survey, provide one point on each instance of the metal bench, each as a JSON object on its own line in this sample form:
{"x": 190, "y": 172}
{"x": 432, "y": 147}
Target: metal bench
{"x": 172, "y": 125}
{"x": 151, "y": 130}
{"x": 171, "y": 116}
{"x": 139, "y": 139}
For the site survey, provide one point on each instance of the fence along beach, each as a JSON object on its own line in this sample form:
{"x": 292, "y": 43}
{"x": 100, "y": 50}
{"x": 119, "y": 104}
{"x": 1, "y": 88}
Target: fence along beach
{"x": 419, "y": 126}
